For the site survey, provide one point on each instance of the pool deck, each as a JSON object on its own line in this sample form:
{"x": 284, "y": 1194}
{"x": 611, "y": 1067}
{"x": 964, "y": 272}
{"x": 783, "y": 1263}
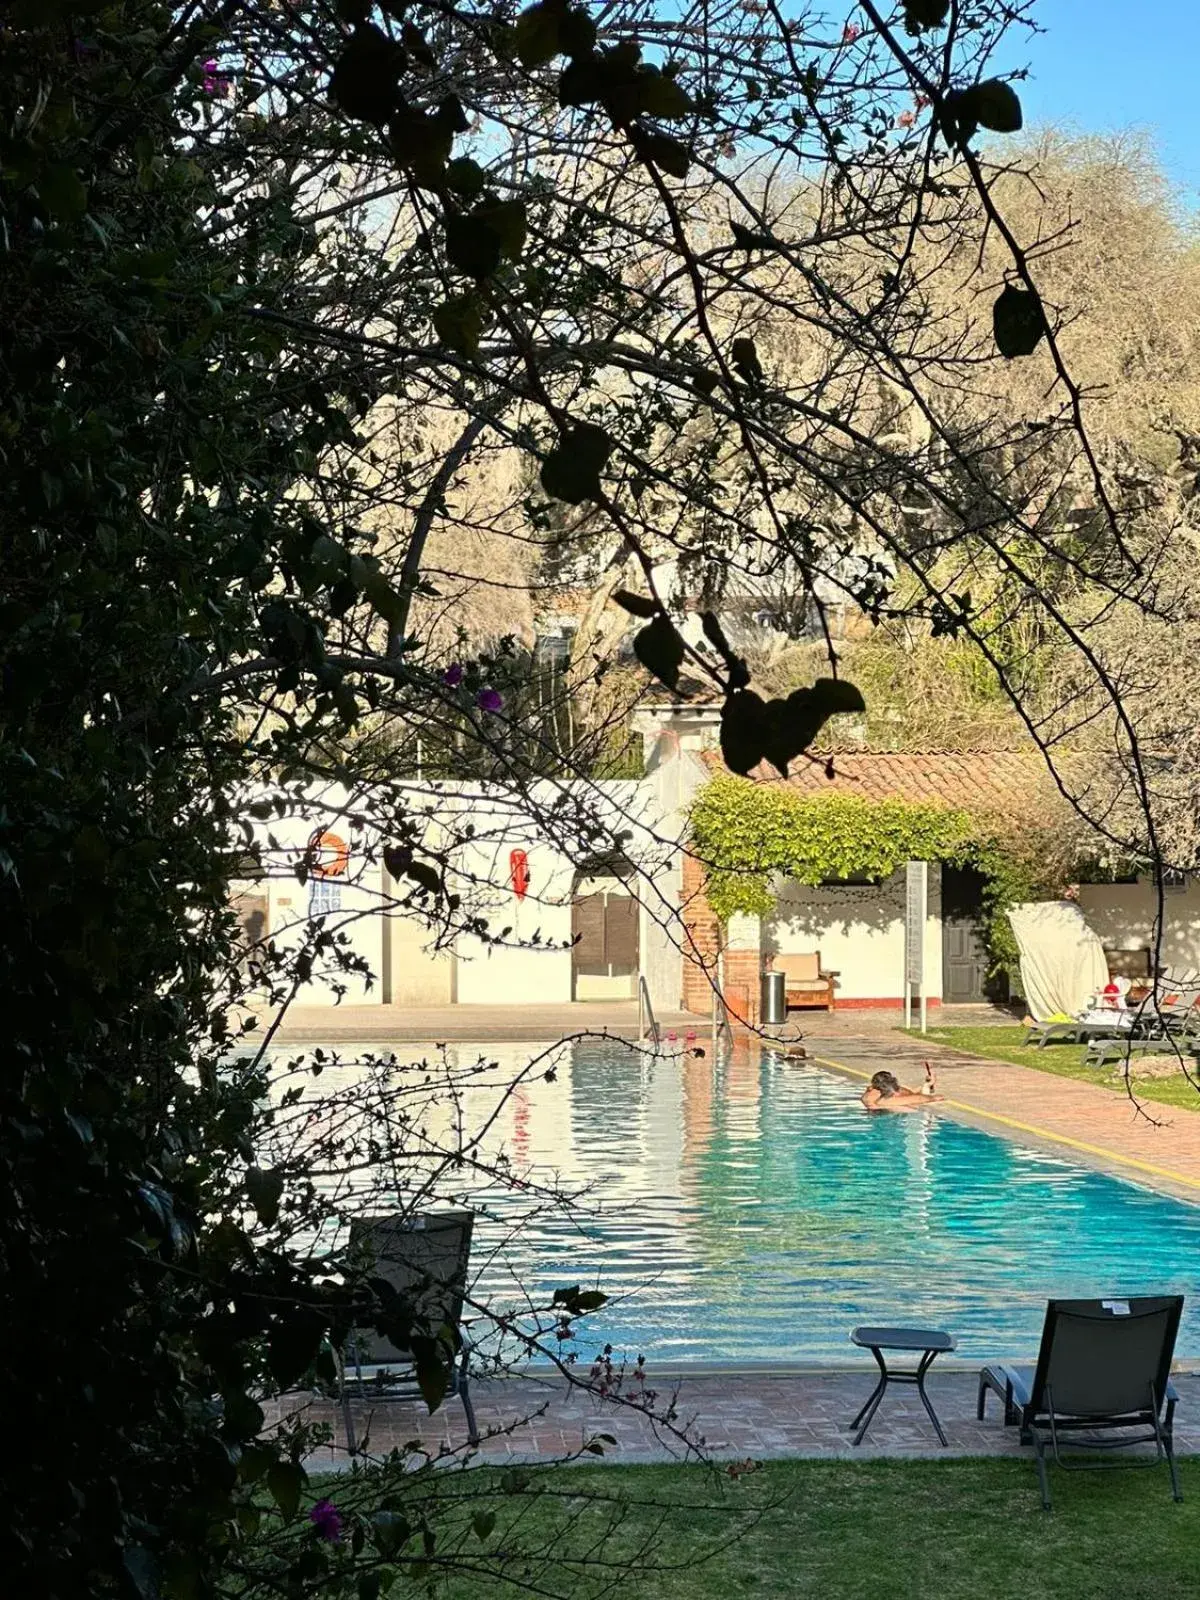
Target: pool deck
{"x": 750, "y": 1413}
{"x": 1157, "y": 1146}
{"x": 731, "y": 1415}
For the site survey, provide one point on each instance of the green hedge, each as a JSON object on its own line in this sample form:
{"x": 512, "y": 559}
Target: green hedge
{"x": 747, "y": 834}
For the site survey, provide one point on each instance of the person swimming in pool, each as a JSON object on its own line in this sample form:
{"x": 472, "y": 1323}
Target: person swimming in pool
{"x": 885, "y": 1092}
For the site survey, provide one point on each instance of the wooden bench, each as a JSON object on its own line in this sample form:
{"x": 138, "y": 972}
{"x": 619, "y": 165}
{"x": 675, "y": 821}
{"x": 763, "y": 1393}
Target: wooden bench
{"x": 807, "y": 985}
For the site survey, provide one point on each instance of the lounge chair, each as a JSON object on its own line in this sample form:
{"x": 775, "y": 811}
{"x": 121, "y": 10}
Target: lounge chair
{"x": 1102, "y": 1375}
{"x": 806, "y": 983}
{"x": 1070, "y": 1030}
{"x": 1166, "y": 1029}
{"x": 424, "y": 1257}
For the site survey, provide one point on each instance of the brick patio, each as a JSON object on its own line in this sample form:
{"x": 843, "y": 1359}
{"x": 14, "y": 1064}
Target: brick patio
{"x": 737, "y": 1414}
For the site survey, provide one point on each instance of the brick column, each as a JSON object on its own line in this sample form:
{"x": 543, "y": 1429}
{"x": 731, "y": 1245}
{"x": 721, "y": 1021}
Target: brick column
{"x": 743, "y": 967}
{"x": 702, "y": 939}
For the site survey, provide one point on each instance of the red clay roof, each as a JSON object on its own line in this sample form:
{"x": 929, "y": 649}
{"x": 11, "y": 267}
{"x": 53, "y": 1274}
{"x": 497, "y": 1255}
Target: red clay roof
{"x": 1004, "y": 784}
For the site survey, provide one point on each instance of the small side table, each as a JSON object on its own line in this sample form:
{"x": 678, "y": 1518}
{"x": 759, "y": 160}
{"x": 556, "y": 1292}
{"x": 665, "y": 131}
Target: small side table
{"x": 931, "y": 1342}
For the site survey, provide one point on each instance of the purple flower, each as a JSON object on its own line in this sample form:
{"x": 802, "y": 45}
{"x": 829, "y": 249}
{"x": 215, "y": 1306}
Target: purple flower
{"x": 490, "y": 700}
{"x": 453, "y": 675}
{"x": 327, "y": 1520}
{"x": 215, "y": 81}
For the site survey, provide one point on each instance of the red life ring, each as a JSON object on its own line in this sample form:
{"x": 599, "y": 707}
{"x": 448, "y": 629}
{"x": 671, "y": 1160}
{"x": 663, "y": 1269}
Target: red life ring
{"x": 321, "y": 847}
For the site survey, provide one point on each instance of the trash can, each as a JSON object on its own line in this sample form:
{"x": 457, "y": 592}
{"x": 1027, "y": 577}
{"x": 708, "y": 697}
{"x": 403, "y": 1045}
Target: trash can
{"x": 774, "y": 998}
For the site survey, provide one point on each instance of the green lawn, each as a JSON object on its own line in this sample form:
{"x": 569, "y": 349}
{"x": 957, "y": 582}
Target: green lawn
{"x": 950, "y": 1530}
{"x": 1066, "y": 1060}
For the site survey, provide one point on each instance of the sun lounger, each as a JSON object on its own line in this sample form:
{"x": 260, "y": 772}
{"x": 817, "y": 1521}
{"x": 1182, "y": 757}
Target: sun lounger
{"x": 424, "y": 1258}
{"x": 1101, "y": 1383}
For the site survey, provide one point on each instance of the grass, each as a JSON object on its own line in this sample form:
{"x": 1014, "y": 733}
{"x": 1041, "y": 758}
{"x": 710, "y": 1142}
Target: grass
{"x": 872, "y": 1530}
{"x": 1063, "y": 1060}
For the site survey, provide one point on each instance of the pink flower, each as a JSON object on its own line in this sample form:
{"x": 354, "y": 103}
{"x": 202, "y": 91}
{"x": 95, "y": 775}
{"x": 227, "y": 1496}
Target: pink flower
{"x": 453, "y": 675}
{"x": 906, "y": 119}
{"x": 490, "y": 700}
{"x": 850, "y": 32}
{"x": 327, "y": 1520}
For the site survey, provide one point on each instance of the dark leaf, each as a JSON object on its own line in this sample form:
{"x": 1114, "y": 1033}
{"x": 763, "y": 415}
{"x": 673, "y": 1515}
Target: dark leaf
{"x": 749, "y": 240}
{"x": 745, "y": 360}
{"x": 791, "y": 725}
{"x": 63, "y": 192}
{"x": 582, "y": 82}
{"x": 264, "y": 1189}
{"x": 660, "y": 96}
{"x": 661, "y": 150}
{"x": 459, "y": 323}
{"x": 993, "y": 104}
{"x": 415, "y": 44}
{"x": 638, "y": 605}
{"x": 920, "y": 14}
{"x": 834, "y": 695}
{"x": 293, "y": 1345}
{"x": 537, "y": 34}
{"x": 285, "y": 1481}
{"x": 433, "y": 1371}
{"x": 472, "y": 246}
{"x": 576, "y": 34}
{"x": 142, "y": 1567}
{"x": 483, "y": 1522}
{"x": 391, "y": 1531}
{"x": 397, "y": 858}
{"x": 659, "y": 648}
{"x": 365, "y": 80}
{"x": 743, "y": 731}
{"x": 571, "y": 471}
{"x": 465, "y": 177}
{"x": 506, "y": 219}
{"x": 1018, "y": 321}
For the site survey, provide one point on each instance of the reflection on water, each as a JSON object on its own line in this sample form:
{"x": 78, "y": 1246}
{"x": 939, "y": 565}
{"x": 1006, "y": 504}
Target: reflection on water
{"x": 752, "y": 1211}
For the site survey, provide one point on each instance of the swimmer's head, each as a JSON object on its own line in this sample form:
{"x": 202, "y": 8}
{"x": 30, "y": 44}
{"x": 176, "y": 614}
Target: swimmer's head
{"x": 886, "y": 1083}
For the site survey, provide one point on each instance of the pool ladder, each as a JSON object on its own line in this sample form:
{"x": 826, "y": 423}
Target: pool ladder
{"x": 646, "y": 1014}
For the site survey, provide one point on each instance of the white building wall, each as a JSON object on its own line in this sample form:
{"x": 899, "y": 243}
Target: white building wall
{"x": 859, "y": 932}
{"x": 1123, "y": 917}
{"x": 282, "y": 842}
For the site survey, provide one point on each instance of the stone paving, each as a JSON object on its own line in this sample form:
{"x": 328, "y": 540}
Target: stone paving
{"x": 731, "y": 1415}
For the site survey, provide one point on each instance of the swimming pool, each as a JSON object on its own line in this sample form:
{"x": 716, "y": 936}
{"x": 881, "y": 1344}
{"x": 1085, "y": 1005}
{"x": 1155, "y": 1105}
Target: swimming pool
{"x": 751, "y": 1211}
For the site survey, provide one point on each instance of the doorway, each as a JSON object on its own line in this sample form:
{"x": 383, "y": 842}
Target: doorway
{"x": 604, "y": 926}
{"x": 964, "y": 958}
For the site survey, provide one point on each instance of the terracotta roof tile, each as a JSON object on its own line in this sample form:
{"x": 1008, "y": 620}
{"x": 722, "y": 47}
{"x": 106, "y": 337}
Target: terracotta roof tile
{"x": 1010, "y": 785}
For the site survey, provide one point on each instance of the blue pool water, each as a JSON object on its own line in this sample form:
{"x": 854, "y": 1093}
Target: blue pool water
{"x": 753, "y": 1212}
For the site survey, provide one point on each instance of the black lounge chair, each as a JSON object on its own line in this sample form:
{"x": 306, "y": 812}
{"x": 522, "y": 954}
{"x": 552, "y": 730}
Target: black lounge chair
{"x": 424, "y": 1257}
{"x": 1102, "y": 1382}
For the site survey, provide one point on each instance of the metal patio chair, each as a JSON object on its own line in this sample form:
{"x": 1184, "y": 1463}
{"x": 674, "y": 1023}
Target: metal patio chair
{"x": 425, "y": 1258}
{"x": 1101, "y": 1383}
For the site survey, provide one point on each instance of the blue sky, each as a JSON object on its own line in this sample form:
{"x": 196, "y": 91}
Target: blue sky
{"x": 1109, "y": 64}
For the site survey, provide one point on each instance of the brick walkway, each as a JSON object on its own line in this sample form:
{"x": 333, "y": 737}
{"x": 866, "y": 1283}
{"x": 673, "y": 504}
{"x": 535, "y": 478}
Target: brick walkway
{"x": 1095, "y": 1127}
{"x": 736, "y": 1414}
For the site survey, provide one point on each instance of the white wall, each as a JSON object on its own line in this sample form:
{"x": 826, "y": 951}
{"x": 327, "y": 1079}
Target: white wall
{"x": 1122, "y": 915}
{"x": 282, "y": 842}
{"x": 859, "y": 933}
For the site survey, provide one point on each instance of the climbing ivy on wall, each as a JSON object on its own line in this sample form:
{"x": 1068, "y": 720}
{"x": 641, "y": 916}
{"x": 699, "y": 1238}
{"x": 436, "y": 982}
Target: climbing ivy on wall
{"x": 749, "y": 834}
